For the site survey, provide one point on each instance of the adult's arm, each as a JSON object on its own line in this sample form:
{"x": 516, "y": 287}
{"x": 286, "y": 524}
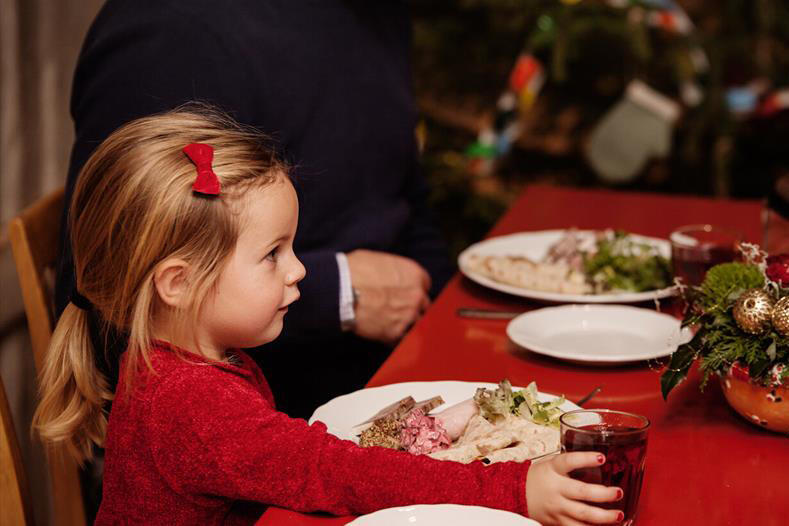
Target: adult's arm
{"x": 421, "y": 239}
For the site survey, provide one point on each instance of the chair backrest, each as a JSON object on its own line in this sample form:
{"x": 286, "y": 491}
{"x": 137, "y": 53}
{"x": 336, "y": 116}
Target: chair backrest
{"x": 34, "y": 239}
{"x": 15, "y": 505}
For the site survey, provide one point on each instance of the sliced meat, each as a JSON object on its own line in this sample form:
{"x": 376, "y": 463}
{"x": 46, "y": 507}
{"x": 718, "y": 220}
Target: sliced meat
{"x": 455, "y": 418}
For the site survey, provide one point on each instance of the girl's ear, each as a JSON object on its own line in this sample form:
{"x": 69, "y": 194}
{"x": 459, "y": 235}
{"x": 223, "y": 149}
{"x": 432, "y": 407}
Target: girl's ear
{"x": 171, "y": 279}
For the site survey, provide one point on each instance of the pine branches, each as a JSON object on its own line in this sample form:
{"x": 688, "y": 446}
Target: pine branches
{"x": 720, "y": 342}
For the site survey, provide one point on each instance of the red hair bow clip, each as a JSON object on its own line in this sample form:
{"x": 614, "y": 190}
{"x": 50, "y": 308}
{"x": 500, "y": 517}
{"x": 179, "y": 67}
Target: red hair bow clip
{"x": 202, "y": 155}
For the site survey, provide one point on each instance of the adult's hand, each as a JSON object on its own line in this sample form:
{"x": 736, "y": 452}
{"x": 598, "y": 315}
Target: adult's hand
{"x": 392, "y": 293}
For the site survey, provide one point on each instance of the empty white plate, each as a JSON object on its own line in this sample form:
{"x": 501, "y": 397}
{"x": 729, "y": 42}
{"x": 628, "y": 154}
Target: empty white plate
{"x": 442, "y": 515}
{"x": 598, "y": 333}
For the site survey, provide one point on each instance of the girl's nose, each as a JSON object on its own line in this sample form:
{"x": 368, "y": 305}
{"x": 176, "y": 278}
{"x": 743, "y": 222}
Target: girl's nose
{"x": 296, "y": 274}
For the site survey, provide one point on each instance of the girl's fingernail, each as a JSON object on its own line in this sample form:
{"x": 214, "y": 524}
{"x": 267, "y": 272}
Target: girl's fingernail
{"x": 619, "y": 494}
{"x": 600, "y": 459}
{"x": 620, "y": 516}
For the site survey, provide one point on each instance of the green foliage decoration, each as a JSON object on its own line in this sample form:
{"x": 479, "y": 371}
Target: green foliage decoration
{"x": 725, "y": 282}
{"x": 720, "y": 342}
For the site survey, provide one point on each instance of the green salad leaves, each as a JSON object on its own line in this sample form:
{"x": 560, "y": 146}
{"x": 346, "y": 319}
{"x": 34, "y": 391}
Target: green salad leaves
{"x": 623, "y": 263}
{"x": 502, "y": 402}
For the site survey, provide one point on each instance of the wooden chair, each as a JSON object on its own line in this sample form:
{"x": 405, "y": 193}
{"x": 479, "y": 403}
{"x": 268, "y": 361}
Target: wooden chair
{"x": 34, "y": 240}
{"x": 15, "y": 505}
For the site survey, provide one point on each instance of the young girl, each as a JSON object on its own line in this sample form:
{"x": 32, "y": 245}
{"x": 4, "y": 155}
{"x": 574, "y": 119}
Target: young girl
{"x": 182, "y": 226}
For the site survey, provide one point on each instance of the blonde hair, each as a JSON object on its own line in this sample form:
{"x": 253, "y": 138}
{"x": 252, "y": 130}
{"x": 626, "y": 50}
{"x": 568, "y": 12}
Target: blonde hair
{"x": 133, "y": 207}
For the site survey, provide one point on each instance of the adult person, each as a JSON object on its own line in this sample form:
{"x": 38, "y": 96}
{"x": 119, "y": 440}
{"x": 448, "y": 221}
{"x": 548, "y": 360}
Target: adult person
{"x": 329, "y": 81}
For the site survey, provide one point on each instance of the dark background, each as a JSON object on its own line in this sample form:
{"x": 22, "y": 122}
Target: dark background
{"x": 464, "y": 51}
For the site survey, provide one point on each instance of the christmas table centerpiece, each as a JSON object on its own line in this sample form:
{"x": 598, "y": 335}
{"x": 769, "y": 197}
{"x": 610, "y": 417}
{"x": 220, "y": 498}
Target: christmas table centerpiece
{"x": 741, "y": 313}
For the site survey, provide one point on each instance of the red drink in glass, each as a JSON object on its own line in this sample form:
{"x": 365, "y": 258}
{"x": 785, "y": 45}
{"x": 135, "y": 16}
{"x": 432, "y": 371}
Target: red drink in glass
{"x": 692, "y": 265}
{"x": 622, "y": 438}
{"x": 697, "y": 248}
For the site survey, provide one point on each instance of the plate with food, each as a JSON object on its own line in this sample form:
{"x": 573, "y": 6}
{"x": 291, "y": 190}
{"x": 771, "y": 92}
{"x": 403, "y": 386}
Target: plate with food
{"x": 573, "y": 266}
{"x": 441, "y": 514}
{"x": 602, "y": 334}
{"x": 450, "y": 420}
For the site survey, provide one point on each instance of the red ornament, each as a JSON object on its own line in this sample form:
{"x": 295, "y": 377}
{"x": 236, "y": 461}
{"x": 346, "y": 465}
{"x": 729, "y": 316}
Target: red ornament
{"x": 527, "y": 70}
{"x": 778, "y": 269}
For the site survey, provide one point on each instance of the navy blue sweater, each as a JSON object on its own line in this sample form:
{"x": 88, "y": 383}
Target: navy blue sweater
{"x": 330, "y": 82}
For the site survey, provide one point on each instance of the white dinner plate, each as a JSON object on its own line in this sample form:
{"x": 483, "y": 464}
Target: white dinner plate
{"x": 342, "y": 414}
{"x": 442, "y": 515}
{"x": 534, "y": 245}
{"x": 598, "y": 333}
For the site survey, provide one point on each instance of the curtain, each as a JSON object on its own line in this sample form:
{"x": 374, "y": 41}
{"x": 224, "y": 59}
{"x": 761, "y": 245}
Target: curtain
{"x": 39, "y": 44}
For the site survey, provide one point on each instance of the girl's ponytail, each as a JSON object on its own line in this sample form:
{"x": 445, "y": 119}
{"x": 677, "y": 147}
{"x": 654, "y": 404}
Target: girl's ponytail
{"x": 73, "y": 391}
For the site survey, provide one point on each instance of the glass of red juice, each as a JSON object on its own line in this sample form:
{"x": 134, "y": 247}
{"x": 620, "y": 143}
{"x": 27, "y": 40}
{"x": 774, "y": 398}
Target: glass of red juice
{"x": 622, "y": 438}
{"x": 697, "y": 248}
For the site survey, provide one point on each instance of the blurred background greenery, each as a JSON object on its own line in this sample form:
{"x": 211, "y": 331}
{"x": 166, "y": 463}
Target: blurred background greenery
{"x": 464, "y": 50}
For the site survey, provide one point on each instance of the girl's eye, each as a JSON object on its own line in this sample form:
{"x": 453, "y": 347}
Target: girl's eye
{"x": 272, "y": 256}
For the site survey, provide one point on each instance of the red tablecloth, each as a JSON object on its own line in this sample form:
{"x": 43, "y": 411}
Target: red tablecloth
{"x": 705, "y": 464}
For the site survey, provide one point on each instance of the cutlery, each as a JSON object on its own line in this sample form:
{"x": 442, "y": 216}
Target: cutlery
{"x": 487, "y": 314}
{"x": 588, "y": 397}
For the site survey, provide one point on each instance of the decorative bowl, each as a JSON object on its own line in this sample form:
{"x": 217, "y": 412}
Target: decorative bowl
{"x": 766, "y": 407}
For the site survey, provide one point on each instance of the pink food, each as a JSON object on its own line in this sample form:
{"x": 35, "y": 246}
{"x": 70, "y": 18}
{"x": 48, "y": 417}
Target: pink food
{"x": 455, "y": 418}
{"x": 422, "y": 434}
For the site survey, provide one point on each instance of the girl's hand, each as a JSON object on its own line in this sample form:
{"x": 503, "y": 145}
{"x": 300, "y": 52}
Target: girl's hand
{"x": 554, "y": 498}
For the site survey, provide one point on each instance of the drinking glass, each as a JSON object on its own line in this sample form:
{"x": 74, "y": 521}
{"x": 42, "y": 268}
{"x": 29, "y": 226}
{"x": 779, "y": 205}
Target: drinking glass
{"x": 622, "y": 438}
{"x": 697, "y": 248}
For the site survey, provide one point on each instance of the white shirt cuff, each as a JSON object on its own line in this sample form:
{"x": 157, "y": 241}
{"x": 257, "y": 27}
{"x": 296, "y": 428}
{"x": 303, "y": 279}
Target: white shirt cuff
{"x": 347, "y": 314}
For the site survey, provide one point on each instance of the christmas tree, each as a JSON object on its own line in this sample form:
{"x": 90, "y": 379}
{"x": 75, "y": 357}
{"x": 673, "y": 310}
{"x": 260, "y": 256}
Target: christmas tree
{"x": 720, "y": 64}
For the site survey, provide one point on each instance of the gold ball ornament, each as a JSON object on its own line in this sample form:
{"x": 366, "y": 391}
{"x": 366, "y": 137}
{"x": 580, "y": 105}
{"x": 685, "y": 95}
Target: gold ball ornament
{"x": 753, "y": 311}
{"x": 781, "y": 316}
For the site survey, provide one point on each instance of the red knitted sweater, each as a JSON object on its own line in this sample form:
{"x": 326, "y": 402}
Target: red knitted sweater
{"x": 198, "y": 440}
